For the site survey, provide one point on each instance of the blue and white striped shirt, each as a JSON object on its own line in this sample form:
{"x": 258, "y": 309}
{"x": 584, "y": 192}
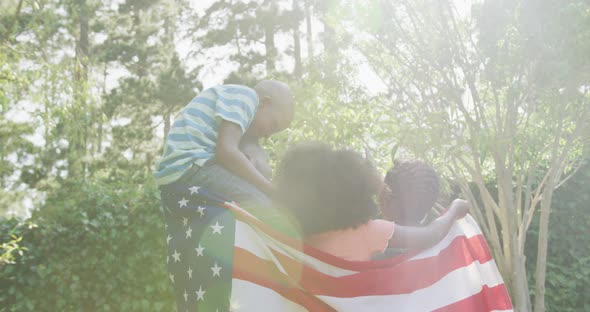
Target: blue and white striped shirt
{"x": 193, "y": 136}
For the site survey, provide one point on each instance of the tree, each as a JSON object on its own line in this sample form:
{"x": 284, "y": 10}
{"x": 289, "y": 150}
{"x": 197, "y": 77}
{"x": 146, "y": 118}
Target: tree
{"x": 471, "y": 93}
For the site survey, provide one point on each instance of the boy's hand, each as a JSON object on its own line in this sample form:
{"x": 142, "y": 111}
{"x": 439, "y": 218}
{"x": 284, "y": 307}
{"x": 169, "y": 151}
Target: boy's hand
{"x": 459, "y": 208}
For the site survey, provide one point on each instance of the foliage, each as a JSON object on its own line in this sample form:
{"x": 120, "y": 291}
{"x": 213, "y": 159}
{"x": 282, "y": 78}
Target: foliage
{"x": 471, "y": 95}
{"x": 99, "y": 82}
{"x": 568, "y": 273}
{"x": 99, "y": 246}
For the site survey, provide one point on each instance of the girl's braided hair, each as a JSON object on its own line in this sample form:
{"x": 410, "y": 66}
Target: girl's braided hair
{"x": 413, "y": 190}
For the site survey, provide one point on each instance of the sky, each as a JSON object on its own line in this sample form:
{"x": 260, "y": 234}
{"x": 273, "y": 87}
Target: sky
{"x": 215, "y": 76}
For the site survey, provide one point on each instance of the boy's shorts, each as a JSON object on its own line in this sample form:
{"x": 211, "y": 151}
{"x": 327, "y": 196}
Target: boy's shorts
{"x": 220, "y": 181}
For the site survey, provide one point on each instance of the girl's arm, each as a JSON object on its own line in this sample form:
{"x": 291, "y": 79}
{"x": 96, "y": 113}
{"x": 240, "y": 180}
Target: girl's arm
{"x": 229, "y": 156}
{"x": 423, "y": 237}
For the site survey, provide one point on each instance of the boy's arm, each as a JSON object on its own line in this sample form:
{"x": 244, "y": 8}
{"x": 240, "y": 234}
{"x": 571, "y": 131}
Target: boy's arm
{"x": 229, "y": 156}
{"x": 423, "y": 237}
{"x": 257, "y": 156}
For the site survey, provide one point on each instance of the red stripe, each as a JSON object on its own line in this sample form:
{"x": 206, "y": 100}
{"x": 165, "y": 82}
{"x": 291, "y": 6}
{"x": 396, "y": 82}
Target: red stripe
{"x": 397, "y": 279}
{"x": 247, "y": 218}
{"x": 488, "y": 299}
{"x": 265, "y": 274}
{"x": 242, "y": 215}
{"x": 400, "y": 278}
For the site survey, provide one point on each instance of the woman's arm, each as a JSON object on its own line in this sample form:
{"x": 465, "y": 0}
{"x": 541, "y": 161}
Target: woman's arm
{"x": 422, "y": 237}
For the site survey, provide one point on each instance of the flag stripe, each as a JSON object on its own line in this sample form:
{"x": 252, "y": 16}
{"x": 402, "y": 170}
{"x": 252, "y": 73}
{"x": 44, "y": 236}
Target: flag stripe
{"x": 457, "y": 285}
{"x": 262, "y": 272}
{"x": 253, "y": 241}
{"x": 422, "y": 272}
{"x": 493, "y": 293}
{"x": 248, "y": 296}
{"x": 419, "y": 273}
{"x": 466, "y": 227}
{"x": 488, "y": 299}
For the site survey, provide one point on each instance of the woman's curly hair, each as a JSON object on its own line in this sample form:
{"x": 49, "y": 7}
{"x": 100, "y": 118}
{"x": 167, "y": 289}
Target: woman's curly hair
{"x": 326, "y": 189}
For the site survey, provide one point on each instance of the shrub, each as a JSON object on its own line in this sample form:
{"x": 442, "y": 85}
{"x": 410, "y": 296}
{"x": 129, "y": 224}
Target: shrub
{"x": 98, "y": 246}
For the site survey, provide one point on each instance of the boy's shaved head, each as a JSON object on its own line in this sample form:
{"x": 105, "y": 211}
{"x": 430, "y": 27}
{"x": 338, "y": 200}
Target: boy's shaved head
{"x": 275, "y": 108}
{"x": 273, "y": 86}
{"x": 279, "y": 92}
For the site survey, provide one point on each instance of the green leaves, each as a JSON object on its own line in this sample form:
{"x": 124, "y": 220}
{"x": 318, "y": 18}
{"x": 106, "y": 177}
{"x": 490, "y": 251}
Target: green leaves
{"x": 89, "y": 252}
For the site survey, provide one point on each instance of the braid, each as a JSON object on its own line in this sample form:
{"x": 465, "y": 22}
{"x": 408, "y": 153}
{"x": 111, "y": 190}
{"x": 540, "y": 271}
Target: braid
{"x": 414, "y": 189}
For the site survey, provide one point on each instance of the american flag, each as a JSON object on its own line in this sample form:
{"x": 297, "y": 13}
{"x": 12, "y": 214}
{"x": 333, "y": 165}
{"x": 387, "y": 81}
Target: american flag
{"x": 221, "y": 258}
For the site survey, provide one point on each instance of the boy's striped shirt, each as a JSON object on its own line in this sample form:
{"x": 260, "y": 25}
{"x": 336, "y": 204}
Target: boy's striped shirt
{"x": 193, "y": 136}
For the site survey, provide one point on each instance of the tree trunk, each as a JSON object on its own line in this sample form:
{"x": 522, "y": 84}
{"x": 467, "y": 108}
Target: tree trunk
{"x": 520, "y": 283}
{"x": 542, "y": 246}
{"x": 297, "y": 40}
{"x": 77, "y": 148}
{"x": 309, "y": 31}
{"x": 269, "y": 43}
{"x": 166, "y": 125}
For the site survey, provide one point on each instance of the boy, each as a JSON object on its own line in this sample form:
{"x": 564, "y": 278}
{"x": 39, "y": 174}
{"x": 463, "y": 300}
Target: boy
{"x": 202, "y": 147}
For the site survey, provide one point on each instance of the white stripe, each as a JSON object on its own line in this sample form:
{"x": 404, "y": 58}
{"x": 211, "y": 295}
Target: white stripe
{"x": 191, "y": 131}
{"x": 465, "y": 227}
{"x": 236, "y": 96}
{"x": 201, "y": 107}
{"x": 259, "y": 243}
{"x": 455, "y": 286}
{"x": 179, "y": 162}
{"x": 309, "y": 261}
{"x": 233, "y": 109}
{"x": 247, "y": 296}
{"x": 208, "y": 94}
{"x": 247, "y": 238}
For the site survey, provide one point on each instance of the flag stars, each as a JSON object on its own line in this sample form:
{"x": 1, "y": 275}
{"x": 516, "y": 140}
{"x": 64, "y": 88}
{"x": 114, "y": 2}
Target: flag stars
{"x": 217, "y": 228}
{"x": 216, "y": 270}
{"x": 171, "y": 277}
{"x": 200, "y": 250}
{"x": 176, "y": 256}
{"x": 190, "y": 273}
{"x": 185, "y": 296}
{"x": 201, "y": 211}
{"x": 168, "y": 238}
{"x": 194, "y": 189}
{"x": 184, "y": 221}
{"x": 200, "y": 294}
{"x": 189, "y": 232}
{"x": 182, "y": 203}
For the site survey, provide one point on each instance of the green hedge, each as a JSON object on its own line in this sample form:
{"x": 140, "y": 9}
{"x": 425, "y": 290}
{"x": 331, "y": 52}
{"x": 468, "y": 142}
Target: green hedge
{"x": 568, "y": 259}
{"x": 97, "y": 246}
